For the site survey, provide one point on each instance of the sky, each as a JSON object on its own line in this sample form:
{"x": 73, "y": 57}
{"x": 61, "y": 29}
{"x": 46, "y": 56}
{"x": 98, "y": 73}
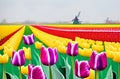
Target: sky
{"x": 92, "y": 11}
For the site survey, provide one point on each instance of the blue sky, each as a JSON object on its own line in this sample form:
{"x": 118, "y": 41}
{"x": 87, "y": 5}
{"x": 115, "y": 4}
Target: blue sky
{"x": 93, "y": 11}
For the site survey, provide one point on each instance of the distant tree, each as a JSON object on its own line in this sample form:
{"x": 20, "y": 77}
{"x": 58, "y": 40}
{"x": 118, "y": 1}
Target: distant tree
{"x": 3, "y": 21}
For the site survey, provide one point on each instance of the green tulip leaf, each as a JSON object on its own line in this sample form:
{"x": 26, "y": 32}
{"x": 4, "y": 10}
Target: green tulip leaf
{"x": 36, "y": 57}
{"x": 24, "y": 76}
{"x": 56, "y": 74}
{"x": 67, "y": 67}
{"x": 12, "y": 76}
{"x": 109, "y": 73}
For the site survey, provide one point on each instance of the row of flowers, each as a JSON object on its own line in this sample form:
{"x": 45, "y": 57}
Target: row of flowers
{"x": 49, "y": 56}
{"x": 86, "y": 46}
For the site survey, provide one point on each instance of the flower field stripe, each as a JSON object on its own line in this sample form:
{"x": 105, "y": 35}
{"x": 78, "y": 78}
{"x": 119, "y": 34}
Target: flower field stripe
{"x": 101, "y": 34}
{"x": 7, "y": 37}
{"x": 13, "y": 42}
{"x": 83, "y": 25}
{"x": 55, "y": 41}
{"x": 6, "y": 30}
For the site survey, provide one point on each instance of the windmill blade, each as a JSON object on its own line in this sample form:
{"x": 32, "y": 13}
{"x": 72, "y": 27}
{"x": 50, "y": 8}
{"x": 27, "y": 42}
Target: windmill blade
{"x": 78, "y": 14}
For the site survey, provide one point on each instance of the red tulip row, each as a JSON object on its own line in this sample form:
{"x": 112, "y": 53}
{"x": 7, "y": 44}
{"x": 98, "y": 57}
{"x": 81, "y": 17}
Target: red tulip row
{"x": 101, "y": 34}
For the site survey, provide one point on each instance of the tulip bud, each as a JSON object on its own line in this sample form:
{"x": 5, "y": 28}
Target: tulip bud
{"x": 82, "y": 69}
{"x": 98, "y": 61}
{"x": 18, "y": 58}
{"x": 27, "y": 53}
{"x": 35, "y": 72}
{"x": 28, "y": 39}
{"x": 24, "y": 70}
{"x": 38, "y": 45}
{"x": 48, "y": 56}
{"x": 72, "y": 49}
{"x": 4, "y": 58}
{"x": 8, "y": 51}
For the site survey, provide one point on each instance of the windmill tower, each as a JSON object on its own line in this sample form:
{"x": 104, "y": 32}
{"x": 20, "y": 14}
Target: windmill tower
{"x": 76, "y": 20}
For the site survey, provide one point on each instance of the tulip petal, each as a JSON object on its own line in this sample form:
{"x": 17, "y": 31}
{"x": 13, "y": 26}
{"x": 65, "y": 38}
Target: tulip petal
{"x": 101, "y": 61}
{"x": 75, "y": 49}
{"x": 22, "y": 57}
{"x": 45, "y": 59}
{"x": 69, "y": 48}
{"x": 18, "y": 58}
{"x": 55, "y": 55}
{"x": 28, "y": 39}
{"x": 82, "y": 69}
{"x": 72, "y": 49}
{"x": 35, "y": 72}
{"x": 92, "y": 60}
{"x": 31, "y": 38}
{"x": 48, "y": 56}
{"x": 30, "y": 66}
{"x": 77, "y": 72}
{"x": 98, "y": 61}
{"x": 51, "y": 55}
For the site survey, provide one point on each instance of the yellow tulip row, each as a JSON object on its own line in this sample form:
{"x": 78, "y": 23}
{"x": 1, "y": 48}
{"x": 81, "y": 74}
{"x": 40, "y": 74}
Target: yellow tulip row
{"x": 51, "y": 40}
{"x": 112, "y": 49}
{"x": 13, "y": 42}
{"x": 7, "y": 29}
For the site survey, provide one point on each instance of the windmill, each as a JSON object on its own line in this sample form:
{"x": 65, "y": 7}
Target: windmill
{"x": 76, "y": 20}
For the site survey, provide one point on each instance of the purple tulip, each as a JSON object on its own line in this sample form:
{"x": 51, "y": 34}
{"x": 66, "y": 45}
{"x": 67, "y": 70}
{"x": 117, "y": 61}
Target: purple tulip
{"x": 98, "y": 61}
{"x": 82, "y": 69}
{"x": 35, "y": 72}
{"x": 72, "y": 49}
{"x": 18, "y": 58}
{"x": 48, "y": 56}
{"x": 29, "y": 39}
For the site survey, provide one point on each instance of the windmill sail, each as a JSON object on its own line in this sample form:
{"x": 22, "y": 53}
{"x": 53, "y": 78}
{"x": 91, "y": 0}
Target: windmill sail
{"x": 78, "y": 14}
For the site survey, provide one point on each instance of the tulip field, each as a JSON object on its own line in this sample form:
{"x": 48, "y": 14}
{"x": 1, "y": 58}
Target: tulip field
{"x": 60, "y": 51}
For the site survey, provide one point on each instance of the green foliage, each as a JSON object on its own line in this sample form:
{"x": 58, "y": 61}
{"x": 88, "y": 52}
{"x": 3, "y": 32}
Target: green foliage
{"x": 109, "y": 73}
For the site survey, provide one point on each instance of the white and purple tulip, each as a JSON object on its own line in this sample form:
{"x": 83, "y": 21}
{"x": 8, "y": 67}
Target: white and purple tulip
{"x": 35, "y": 72}
{"x": 48, "y": 56}
{"x": 72, "y": 49}
{"x": 18, "y": 58}
{"x": 28, "y": 39}
{"x": 98, "y": 61}
{"x": 82, "y": 69}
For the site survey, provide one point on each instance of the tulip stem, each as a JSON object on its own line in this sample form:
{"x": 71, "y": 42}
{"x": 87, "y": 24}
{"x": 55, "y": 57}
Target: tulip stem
{"x": 118, "y": 71}
{"x": 20, "y": 73}
{"x": 96, "y": 74}
{"x": 4, "y": 73}
{"x": 72, "y": 66}
{"x": 50, "y": 72}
